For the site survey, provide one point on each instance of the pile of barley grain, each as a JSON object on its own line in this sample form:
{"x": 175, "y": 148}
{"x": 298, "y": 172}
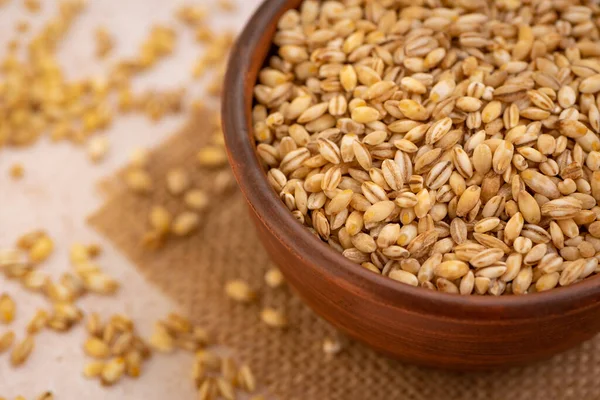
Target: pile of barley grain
{"x": 38, "y": 98}
{"x": 118, "y": 351}
{"x": 451, "y": 145}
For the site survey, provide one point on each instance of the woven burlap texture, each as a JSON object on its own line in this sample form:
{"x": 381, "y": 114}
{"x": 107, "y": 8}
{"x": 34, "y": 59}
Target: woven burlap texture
{"x": 291, "y": 363}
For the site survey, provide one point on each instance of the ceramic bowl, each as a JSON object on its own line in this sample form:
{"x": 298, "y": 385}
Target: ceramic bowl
{"x": 413, "y": 324}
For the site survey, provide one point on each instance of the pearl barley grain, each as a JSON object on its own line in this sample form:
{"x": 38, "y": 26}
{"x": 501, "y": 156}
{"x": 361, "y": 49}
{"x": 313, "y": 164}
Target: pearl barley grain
{"x": 479, "y": 149}
{"x": 196, "y": 199}
{"x": 274, "y": 278}
{"x": 273, "y": 318}
{"x": 239, "y": 290}
{"x": 185, "y": 223}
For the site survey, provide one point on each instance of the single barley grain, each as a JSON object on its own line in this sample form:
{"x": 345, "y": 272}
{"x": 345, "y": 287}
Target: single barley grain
{"x": 196, "y": 199}
{"x": 160, "y": 219}
{"x": 185, "y": 223}
{"x": 239, "y": 290}
{"x": 331, "y": 346}
{"x": 226, "y": 389}
{"x": 139, "y": 158}
{"x": 208, "y": 359}
{"x": 112, "y": 371}
{"x": 21, "y": 351}
{"x": 161, "y": 340}
{"x": 98, "y": 148}
{"x": 39, "y": 320}
{"x": 95, "y": 347}
{"x": 273, "y": 318}
{"x": 17, "y": 171}
{"x": 212, "y": 157}
{"x": 6, "y": 340}
{"x": 138, "y": 180}
{"x": 178, "y": 181}
{"x": 246, "y": 379}
{"x": 45, "y": 396}
{"x": 41, "y": 249}
{"x": 93, "y": 369}
{"x": 274, "y": 278}
{"x": 7, "y": 309}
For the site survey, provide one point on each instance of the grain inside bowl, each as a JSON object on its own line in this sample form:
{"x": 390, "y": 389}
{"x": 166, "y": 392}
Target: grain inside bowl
{"x": 449, "y": 145}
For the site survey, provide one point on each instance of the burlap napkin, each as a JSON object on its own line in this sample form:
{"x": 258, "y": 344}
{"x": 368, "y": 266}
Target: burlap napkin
{"x": 291, "y": 363}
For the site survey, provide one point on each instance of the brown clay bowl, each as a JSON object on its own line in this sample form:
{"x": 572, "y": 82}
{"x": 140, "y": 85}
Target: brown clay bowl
{"x": 413, "y": 324}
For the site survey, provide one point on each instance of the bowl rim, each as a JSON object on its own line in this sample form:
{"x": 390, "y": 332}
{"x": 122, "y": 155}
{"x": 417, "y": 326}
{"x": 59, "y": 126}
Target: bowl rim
{"x": 247, "y": 57}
